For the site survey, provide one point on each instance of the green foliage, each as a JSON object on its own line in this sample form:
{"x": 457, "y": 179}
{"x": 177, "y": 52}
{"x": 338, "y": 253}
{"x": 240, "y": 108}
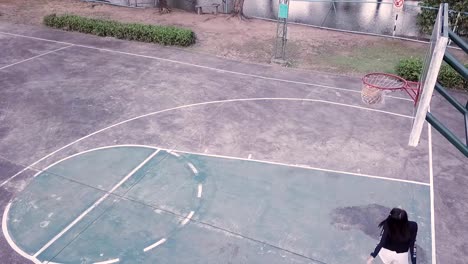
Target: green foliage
{"x": 448, "y": 77}
{"x": 165, "y": 35}
{"x": 426, "y": 18}
{"x": 411, "y": 68}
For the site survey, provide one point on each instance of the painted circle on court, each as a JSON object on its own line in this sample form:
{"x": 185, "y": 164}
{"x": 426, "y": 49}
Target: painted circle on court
{"x": 104, "y": 205}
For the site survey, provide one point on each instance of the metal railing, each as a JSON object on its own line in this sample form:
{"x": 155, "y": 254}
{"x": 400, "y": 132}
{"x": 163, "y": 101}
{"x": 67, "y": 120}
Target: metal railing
{"x": 463, "y": 71}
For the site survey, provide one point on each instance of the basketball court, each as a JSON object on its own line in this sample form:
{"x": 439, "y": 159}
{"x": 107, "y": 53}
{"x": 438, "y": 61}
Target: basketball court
{"x": 123, "y": 152}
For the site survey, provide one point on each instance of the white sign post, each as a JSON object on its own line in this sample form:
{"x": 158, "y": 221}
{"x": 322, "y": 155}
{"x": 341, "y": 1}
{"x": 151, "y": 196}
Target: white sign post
{"x": 398, "y": 5}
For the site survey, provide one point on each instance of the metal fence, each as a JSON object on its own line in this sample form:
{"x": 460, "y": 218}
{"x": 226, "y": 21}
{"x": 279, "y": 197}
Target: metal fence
{"x": 371, "y": 17}
{"x": 376, "y": 17}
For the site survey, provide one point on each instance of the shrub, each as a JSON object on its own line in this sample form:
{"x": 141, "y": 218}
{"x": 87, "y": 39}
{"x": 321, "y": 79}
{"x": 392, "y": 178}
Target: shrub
{"x": 166, "y": 35}
{"x": 411, "y": 68}
{"x": 448, "y": 77}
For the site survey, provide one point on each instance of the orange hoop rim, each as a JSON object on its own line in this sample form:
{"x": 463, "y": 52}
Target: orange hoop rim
{"x": 366, "y": 77}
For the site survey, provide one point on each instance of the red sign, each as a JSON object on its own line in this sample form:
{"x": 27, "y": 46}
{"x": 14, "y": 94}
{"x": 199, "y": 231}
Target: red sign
{"x": 398, "y": 3}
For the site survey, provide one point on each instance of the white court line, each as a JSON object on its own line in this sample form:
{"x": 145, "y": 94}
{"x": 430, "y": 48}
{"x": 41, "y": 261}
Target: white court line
{"x": 192, "y": 167}
{"x": 110, "y": 261}
{"x": 174, "y": 154}
{"x": 305, "y": 167}
{"x": 95, "y": 204}
{"x": 200, "y": 190}
{"x": 194, "y": 105}
{"x": 84, "y": 152}
{"x": 154, "y": 245}
{"x": 36, "y": 38}
{"x": 187, "y": 219}
{"x": 244, "y": 159}
{"x": 10, "y": 241}
{"x": 78, "y": 154}
{"x": 431, "y": 182}
{"x": 201, "y": 66}
{"x": 37, "y": 56}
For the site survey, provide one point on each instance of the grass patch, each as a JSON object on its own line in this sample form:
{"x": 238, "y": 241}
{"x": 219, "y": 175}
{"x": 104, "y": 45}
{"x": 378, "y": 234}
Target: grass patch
{"x": 166, "y": 35}
{"x": 370, "y": 58}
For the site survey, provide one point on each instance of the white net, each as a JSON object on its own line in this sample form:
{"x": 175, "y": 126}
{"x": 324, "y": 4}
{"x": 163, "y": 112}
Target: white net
{"x": 371, "y": 95}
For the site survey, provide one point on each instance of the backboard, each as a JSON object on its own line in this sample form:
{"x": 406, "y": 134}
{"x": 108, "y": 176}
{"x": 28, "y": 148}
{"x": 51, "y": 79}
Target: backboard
{"x": 432, "y": 62}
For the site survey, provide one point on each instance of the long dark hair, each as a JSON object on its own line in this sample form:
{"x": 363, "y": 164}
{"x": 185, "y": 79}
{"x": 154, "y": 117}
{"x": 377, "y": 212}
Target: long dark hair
{"x": 397, "y": 225}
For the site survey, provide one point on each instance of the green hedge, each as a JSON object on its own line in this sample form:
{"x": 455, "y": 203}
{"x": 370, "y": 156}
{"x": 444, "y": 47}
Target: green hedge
{"x": 411, "y": 69}
{"x": 165, "y": 35}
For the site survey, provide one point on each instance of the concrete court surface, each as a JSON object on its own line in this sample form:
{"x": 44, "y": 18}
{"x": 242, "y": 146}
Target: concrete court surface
{"x": 284, "y": 155}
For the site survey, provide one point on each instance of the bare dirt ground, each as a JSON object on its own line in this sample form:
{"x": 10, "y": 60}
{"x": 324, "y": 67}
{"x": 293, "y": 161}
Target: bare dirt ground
{"x": 250, "y": 41}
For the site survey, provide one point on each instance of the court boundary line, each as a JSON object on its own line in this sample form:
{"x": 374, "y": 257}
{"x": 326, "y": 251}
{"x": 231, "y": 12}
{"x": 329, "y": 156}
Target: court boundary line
{"x": 199, "y": 66}
{"x": 95, "y": 204}
{"x": 431, "y": 185}
{"x": 302, "y": 167}
{"x": 10, "y": 241}
{"x": 34, "y": 57}
{"x": 195, "y": 105}
{"x": 172, "y": 151}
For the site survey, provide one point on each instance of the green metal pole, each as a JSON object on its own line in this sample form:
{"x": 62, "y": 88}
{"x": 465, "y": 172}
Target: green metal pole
{"x": 466, "y": 124}
{"x": 439, "y": 88}
{"x": 460, "y": 68}
{"x": 447, "y": 134}
{"x": 459, "y": 41}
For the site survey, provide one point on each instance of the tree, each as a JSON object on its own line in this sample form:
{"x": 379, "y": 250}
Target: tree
{"x": 458, "y": 18}
{"x": 163, "y": 7}
{"x": 239, "y": 9}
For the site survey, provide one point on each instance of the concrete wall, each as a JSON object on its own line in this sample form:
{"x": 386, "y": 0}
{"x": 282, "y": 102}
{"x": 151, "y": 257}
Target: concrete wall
{"x": 188, "y": 5}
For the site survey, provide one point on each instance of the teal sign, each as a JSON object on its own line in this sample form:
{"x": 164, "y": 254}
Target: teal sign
{"x": 283, "y": 11}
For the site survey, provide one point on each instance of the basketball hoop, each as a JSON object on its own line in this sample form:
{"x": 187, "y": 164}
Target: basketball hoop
{"x": 375, "y": 85}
